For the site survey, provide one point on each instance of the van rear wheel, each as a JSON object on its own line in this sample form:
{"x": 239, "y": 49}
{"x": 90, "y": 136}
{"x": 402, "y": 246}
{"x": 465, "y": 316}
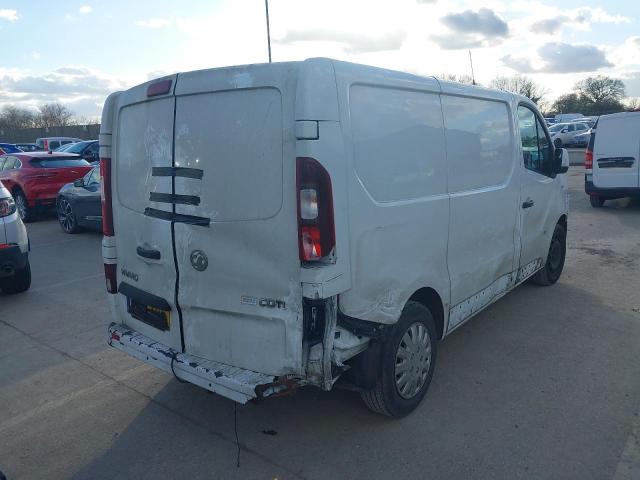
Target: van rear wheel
{"x": 19, "y": 282}
{"x": 555, "y": 259}
{"x": 407, "y": 363}
{"x": 596, "y": 201}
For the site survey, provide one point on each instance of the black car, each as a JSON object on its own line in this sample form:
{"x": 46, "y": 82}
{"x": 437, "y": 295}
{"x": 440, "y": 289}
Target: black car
{"x": 78, "y": 204}
{"x": 88, "y": 149}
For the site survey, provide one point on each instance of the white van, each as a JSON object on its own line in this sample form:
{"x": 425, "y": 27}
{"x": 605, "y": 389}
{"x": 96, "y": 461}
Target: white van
{"x": 278, "y": 225}
{"x": 51, "y": 143}
{"x": 612, "y": 158}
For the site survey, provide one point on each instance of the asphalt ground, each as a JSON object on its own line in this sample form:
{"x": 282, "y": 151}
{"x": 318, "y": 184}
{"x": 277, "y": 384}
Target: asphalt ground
{"x": 544, "y": 384}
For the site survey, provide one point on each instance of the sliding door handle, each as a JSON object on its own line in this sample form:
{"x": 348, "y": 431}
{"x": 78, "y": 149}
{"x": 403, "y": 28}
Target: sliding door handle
{"x": 528, "y": 203}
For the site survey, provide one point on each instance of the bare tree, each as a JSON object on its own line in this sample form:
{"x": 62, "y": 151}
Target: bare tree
{"x": 600, "y": 89}
{"x": 54, "y": 115}
{"x": 13, "y": 117}
{"x": 452, "y": 77}
{"x": 632, "y": 104}
{"x": 521, "y": 85}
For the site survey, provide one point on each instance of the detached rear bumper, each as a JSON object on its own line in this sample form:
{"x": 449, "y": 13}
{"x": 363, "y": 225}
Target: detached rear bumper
{"x": 231, "y": 382}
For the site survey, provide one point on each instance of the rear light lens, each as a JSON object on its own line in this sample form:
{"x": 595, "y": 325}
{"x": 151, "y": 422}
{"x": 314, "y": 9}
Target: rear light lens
{"x": 7, "y": 206}
{"x": 159, "y": 88}
{"x": 588, "y": 160}
{"x": 106, "y": 197}
{"x": 110, "y": 275}
{"x": 316, "y": 230}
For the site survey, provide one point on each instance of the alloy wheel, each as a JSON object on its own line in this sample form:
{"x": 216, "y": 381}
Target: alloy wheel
{"x": 65, "y": 215}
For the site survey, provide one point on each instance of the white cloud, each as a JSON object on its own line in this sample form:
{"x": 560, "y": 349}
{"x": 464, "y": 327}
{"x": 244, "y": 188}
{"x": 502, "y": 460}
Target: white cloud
{"x": 153, "y": 23}
{"x": 558, "y": 57}
{"x": 483, "y": 22}
{"x": 85, "y": 9}
{"x": 8, "y": 14}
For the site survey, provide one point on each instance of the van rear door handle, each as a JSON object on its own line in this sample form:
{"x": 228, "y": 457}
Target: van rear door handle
{"x": 148, "y": 253}
{"x": 528, "y": 204}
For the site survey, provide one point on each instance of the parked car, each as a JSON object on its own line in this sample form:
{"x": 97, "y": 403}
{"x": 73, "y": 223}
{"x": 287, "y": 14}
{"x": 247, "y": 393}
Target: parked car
{"x": 87, "y": 149}
{"x": 34, "y": 179}
{"x": 65, "y": 147}
{"x": 27, "y": 147}
{"x": 582, "y": 139}
{"x": 8, "y": 148}
{"x": 587, "y": 121}
{"x": 51, "y": 143}
{"x": 611, "y": 161}
{"x": 78, "y": 203}
{"x": 550, "y": 120}
{"x": 15, "y": 271}
{"x": 562, "y": 134}
{"x": 372, "y": 213}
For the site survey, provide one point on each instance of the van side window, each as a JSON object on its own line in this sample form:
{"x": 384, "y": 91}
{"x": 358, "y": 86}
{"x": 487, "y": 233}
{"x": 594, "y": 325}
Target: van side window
{"x": 398, "y": 142}
{"x": 536, "y": 146}
{"x": 479, "y": 142}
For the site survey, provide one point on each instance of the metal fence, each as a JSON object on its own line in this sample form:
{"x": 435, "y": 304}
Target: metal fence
{"x": 29, "y": 135}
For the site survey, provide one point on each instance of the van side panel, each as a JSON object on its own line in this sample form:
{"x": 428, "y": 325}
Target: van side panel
{"x": 484, "y": 196}
{"x": 398, "y": 205}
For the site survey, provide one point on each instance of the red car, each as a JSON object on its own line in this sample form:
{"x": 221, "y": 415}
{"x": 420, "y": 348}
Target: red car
{"x": 35, "y": 178}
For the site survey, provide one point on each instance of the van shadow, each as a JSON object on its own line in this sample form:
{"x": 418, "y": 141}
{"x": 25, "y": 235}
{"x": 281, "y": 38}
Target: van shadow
{"x": 517, "y": 390}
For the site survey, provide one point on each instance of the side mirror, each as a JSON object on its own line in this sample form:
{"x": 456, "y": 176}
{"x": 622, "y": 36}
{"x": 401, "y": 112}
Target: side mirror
{"x": 560, "y": 160}
{"x": 79, "y": 182}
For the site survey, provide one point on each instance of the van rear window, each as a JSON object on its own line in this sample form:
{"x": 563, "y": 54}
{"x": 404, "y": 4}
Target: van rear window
{"x": 59, "y": 162}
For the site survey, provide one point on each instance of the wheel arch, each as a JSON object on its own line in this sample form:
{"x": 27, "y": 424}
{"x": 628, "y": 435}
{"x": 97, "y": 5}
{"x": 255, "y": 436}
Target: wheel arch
{"x": 430, "y": 298}
{"x": 563, "y": 221}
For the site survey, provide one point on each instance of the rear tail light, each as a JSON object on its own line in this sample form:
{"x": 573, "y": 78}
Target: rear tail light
{"x": 110, "y": 269}
{"x": 7, "y": 206}
{"x": 106, "y": 197}
{"x": 110, "y": 276}
{"x": 316, "y": 230}
{"x": 588, "y": 159}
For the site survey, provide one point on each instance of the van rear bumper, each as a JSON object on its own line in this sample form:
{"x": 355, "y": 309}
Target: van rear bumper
{"x": 231, "y": 382}
{"x": 591, "y": 189}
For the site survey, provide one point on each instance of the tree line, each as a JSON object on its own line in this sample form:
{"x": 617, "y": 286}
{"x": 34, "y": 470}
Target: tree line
{"x": 47, "y": 115}
{"x": 599, "y": 95}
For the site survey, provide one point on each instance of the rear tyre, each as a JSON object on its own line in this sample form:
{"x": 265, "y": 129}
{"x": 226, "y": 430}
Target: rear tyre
{"x": 555, "y": 259}
{"x": 26, "y": 213}
{"x": 66, "y": 216}
{"x": 596, "y": 201}
{"x": 408, "y": 358}
{"x": 20, "y": 282}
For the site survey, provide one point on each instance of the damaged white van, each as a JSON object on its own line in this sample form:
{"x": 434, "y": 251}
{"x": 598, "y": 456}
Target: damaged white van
{"x": 279, "y": 225}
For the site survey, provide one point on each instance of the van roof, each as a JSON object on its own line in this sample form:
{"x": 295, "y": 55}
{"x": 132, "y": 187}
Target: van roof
{"x": 619, "y": 115}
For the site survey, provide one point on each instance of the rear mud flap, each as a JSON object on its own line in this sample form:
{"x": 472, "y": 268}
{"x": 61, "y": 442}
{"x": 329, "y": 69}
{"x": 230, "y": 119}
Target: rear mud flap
{"x": 231, "y": 382}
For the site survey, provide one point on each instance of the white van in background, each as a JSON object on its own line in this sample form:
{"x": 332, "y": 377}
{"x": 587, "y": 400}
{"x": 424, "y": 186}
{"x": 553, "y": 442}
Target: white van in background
{"x": 51, "y": 143}
{"x": 279, "y": 225}
{"x": 612, "y": 158}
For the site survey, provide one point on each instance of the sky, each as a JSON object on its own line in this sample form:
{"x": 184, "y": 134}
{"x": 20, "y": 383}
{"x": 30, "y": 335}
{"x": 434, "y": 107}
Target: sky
{"x": 77, "y": 52}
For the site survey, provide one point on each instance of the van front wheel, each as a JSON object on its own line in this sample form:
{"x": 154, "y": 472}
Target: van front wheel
{"x": 555, "y": 259}
{"x": 407, "y": 363}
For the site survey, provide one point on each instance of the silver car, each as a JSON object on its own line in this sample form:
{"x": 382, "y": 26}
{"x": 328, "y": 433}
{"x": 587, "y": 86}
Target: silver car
{"x": 562, "y": 134}
{"x": 15, "y": 271}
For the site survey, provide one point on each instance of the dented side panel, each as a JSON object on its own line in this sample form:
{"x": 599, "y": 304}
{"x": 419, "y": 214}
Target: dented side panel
{"x": 398, "y": 206}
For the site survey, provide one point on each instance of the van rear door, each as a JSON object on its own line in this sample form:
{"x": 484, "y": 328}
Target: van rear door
{"x": 615, "y": 159}
{"x": 238, "y": 255}
{"x": 141, "y": 163}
